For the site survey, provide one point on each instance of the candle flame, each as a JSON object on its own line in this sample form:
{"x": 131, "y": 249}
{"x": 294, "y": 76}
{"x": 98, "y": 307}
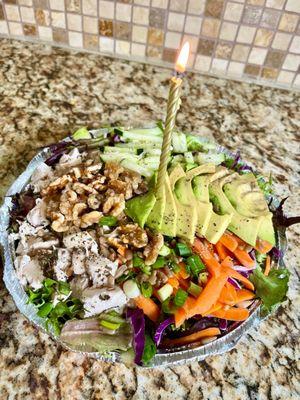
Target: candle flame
{"x": 183, "y": 58}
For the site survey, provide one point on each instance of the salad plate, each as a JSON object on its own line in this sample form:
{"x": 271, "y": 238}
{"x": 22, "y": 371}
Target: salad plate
{"x": 58, "y": 263}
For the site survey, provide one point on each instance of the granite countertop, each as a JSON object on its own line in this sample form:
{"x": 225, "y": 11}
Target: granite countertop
{"x": 47, "y": 93}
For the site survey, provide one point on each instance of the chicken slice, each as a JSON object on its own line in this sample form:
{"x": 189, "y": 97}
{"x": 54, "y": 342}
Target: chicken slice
{"x": 37, "y": 216}
{"x": 78, "y": 261}
{"x": 29, "y": 271}
{"x": 81, "y": 240}
{"x": 100, "y": 269}
{"x": 62, "y": 264}
{"x": 41, "y": 177}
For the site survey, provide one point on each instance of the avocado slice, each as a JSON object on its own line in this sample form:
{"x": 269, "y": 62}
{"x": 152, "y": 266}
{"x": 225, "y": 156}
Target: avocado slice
{"x": 139, "y": 208}
{"x": 168, "y": 226}
{"x": 185, "y": 204}
{"x": 187, "y": 210}
{"x": 208, "y": 168}
{"x": 155, "y": 217}
{"x": 244, "y": 227}
{"x": 247, "y": 198}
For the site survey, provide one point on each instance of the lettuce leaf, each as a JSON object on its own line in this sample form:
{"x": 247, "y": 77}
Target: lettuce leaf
{"x": 271, "y": 289}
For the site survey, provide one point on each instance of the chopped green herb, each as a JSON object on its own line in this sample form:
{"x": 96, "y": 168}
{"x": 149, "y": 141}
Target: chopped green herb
{"x": 137, "y": 261}
{"x": 174, "y": 267}
{"x": 183, "y": 250}
{"x": 110, "y": 325}
{"x": 64, "y": 310}
{"x": 194, "y": 289}
{"x": 159, "y": 263}
{"x": 180, "y": 297}
{"x": 108, "y": 221}
{"x": 146, "y": 289}
{"x": 194, "y": 265}
{"x": 149, "y": 350}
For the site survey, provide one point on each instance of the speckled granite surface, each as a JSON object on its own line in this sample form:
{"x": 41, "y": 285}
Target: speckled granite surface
{"x": 47, "y": 93}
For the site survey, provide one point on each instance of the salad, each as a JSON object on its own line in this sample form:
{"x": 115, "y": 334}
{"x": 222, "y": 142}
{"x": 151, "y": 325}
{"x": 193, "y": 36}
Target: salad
{"x": 110, "y": 264}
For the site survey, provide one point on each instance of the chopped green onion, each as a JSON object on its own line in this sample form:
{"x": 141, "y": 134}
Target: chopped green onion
{"x": 110, "y": 325}
{"x": 174, "y": 267}
{"x": 159, "y": 263}
{"x": 183, "y": 250}
{"x": 194, "y": 265}
{"x": 108, "y": 221}
{"x": 166, "y": 307}
{"x": 194, "y": 289}
{"x": 137, "y": 261}
{"x": 146, "y": 289}
{"x": 180, "y": 297}
{"x": 164, "y": 251}
{"x": 202, "y": 277}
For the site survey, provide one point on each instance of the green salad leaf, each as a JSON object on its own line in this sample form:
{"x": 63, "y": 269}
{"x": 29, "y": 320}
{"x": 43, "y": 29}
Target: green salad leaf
{"x": 56, "y": 313}
{"x": 271, "y": 289}
{"x": 149, "y": 350}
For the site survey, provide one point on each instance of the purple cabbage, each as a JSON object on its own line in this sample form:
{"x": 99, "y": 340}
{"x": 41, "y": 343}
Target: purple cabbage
{"x": 283, "y": 220}
{"x": 57, "y": 150}
{"x": 161, "y": 328}
{"x": 276, "y": 254}
{"x": 137, "y": 320}
{"x": 234, "y": 283}
{"x": 223, "y": 324}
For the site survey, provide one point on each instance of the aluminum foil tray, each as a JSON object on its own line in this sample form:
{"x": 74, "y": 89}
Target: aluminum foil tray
{"x": 164, "y": 357}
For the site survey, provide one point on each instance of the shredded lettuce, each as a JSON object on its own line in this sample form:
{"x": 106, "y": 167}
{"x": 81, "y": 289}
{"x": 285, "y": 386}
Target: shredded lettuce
{"x": 149, "y": 350}
{"x": 271, "y": 289}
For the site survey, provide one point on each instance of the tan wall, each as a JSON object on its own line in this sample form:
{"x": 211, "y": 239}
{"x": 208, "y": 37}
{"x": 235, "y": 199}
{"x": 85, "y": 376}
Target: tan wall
{"x": 245, "y": 39}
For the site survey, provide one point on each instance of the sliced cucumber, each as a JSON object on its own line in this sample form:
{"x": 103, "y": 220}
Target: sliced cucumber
{"x": 142, "y": 137}
{"x": 135, "y": 166}
{"x": 179, "y": 142}
{"x": 211, "y": 157}
{"x": 111, "y": 149}
{"x": 115, "y": 157}
{"x": 156, "y": 131}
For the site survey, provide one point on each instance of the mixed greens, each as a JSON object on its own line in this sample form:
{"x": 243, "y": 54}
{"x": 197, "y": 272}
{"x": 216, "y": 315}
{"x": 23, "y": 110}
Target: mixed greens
{"x": 180, "y": 267}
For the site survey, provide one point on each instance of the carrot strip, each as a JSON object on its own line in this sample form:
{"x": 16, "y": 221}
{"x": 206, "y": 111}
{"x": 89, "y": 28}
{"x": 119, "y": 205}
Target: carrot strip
{"x": 214, "y": 308}
{"x": 179, "y": 317}
{"x": 262, "y": 246}
{"x": 183, "y": 272}
{"x": 234, "y": 274}
{"x": 189, "y": 304}
{"x": 232, "y": 314}
{"x": 244, "y": 295}
{"x": 209, "y": 295}
{"x": 268, "y": 266}
{"x": 148, "y": 306}
{"x": 173, "y": 281}
{"x": 228, "y": 262}
{"x": 208, "y": 332}
{"x": 228, "y": 295}
{"x": 211, "y": 263}
{"x": 244, "y": 258}
{"x": 229, "y": 241}
{"x": 222, "y": 251}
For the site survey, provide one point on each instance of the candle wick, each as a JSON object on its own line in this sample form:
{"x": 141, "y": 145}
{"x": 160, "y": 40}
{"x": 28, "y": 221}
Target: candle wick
{"x": 179, "y": 75}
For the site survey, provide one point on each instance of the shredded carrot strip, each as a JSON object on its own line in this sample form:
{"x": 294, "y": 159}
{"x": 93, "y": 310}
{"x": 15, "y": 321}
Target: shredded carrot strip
{"x": 244, "y": 258}
{"x": 262, "y": 246}
{"x": 148, "y": 306}
{"x": 232, "y": 314}
{"x": 183, "y": 272}
{"x": 229, "y": 241}
{"x": 222, "y": 251}
{"x": 205, "y": 333}
{"x": 173, "y": 281}
{"x": 210, "y": 261}
{"x": 236, "y": 275}
{"x": 268, "y": 266}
